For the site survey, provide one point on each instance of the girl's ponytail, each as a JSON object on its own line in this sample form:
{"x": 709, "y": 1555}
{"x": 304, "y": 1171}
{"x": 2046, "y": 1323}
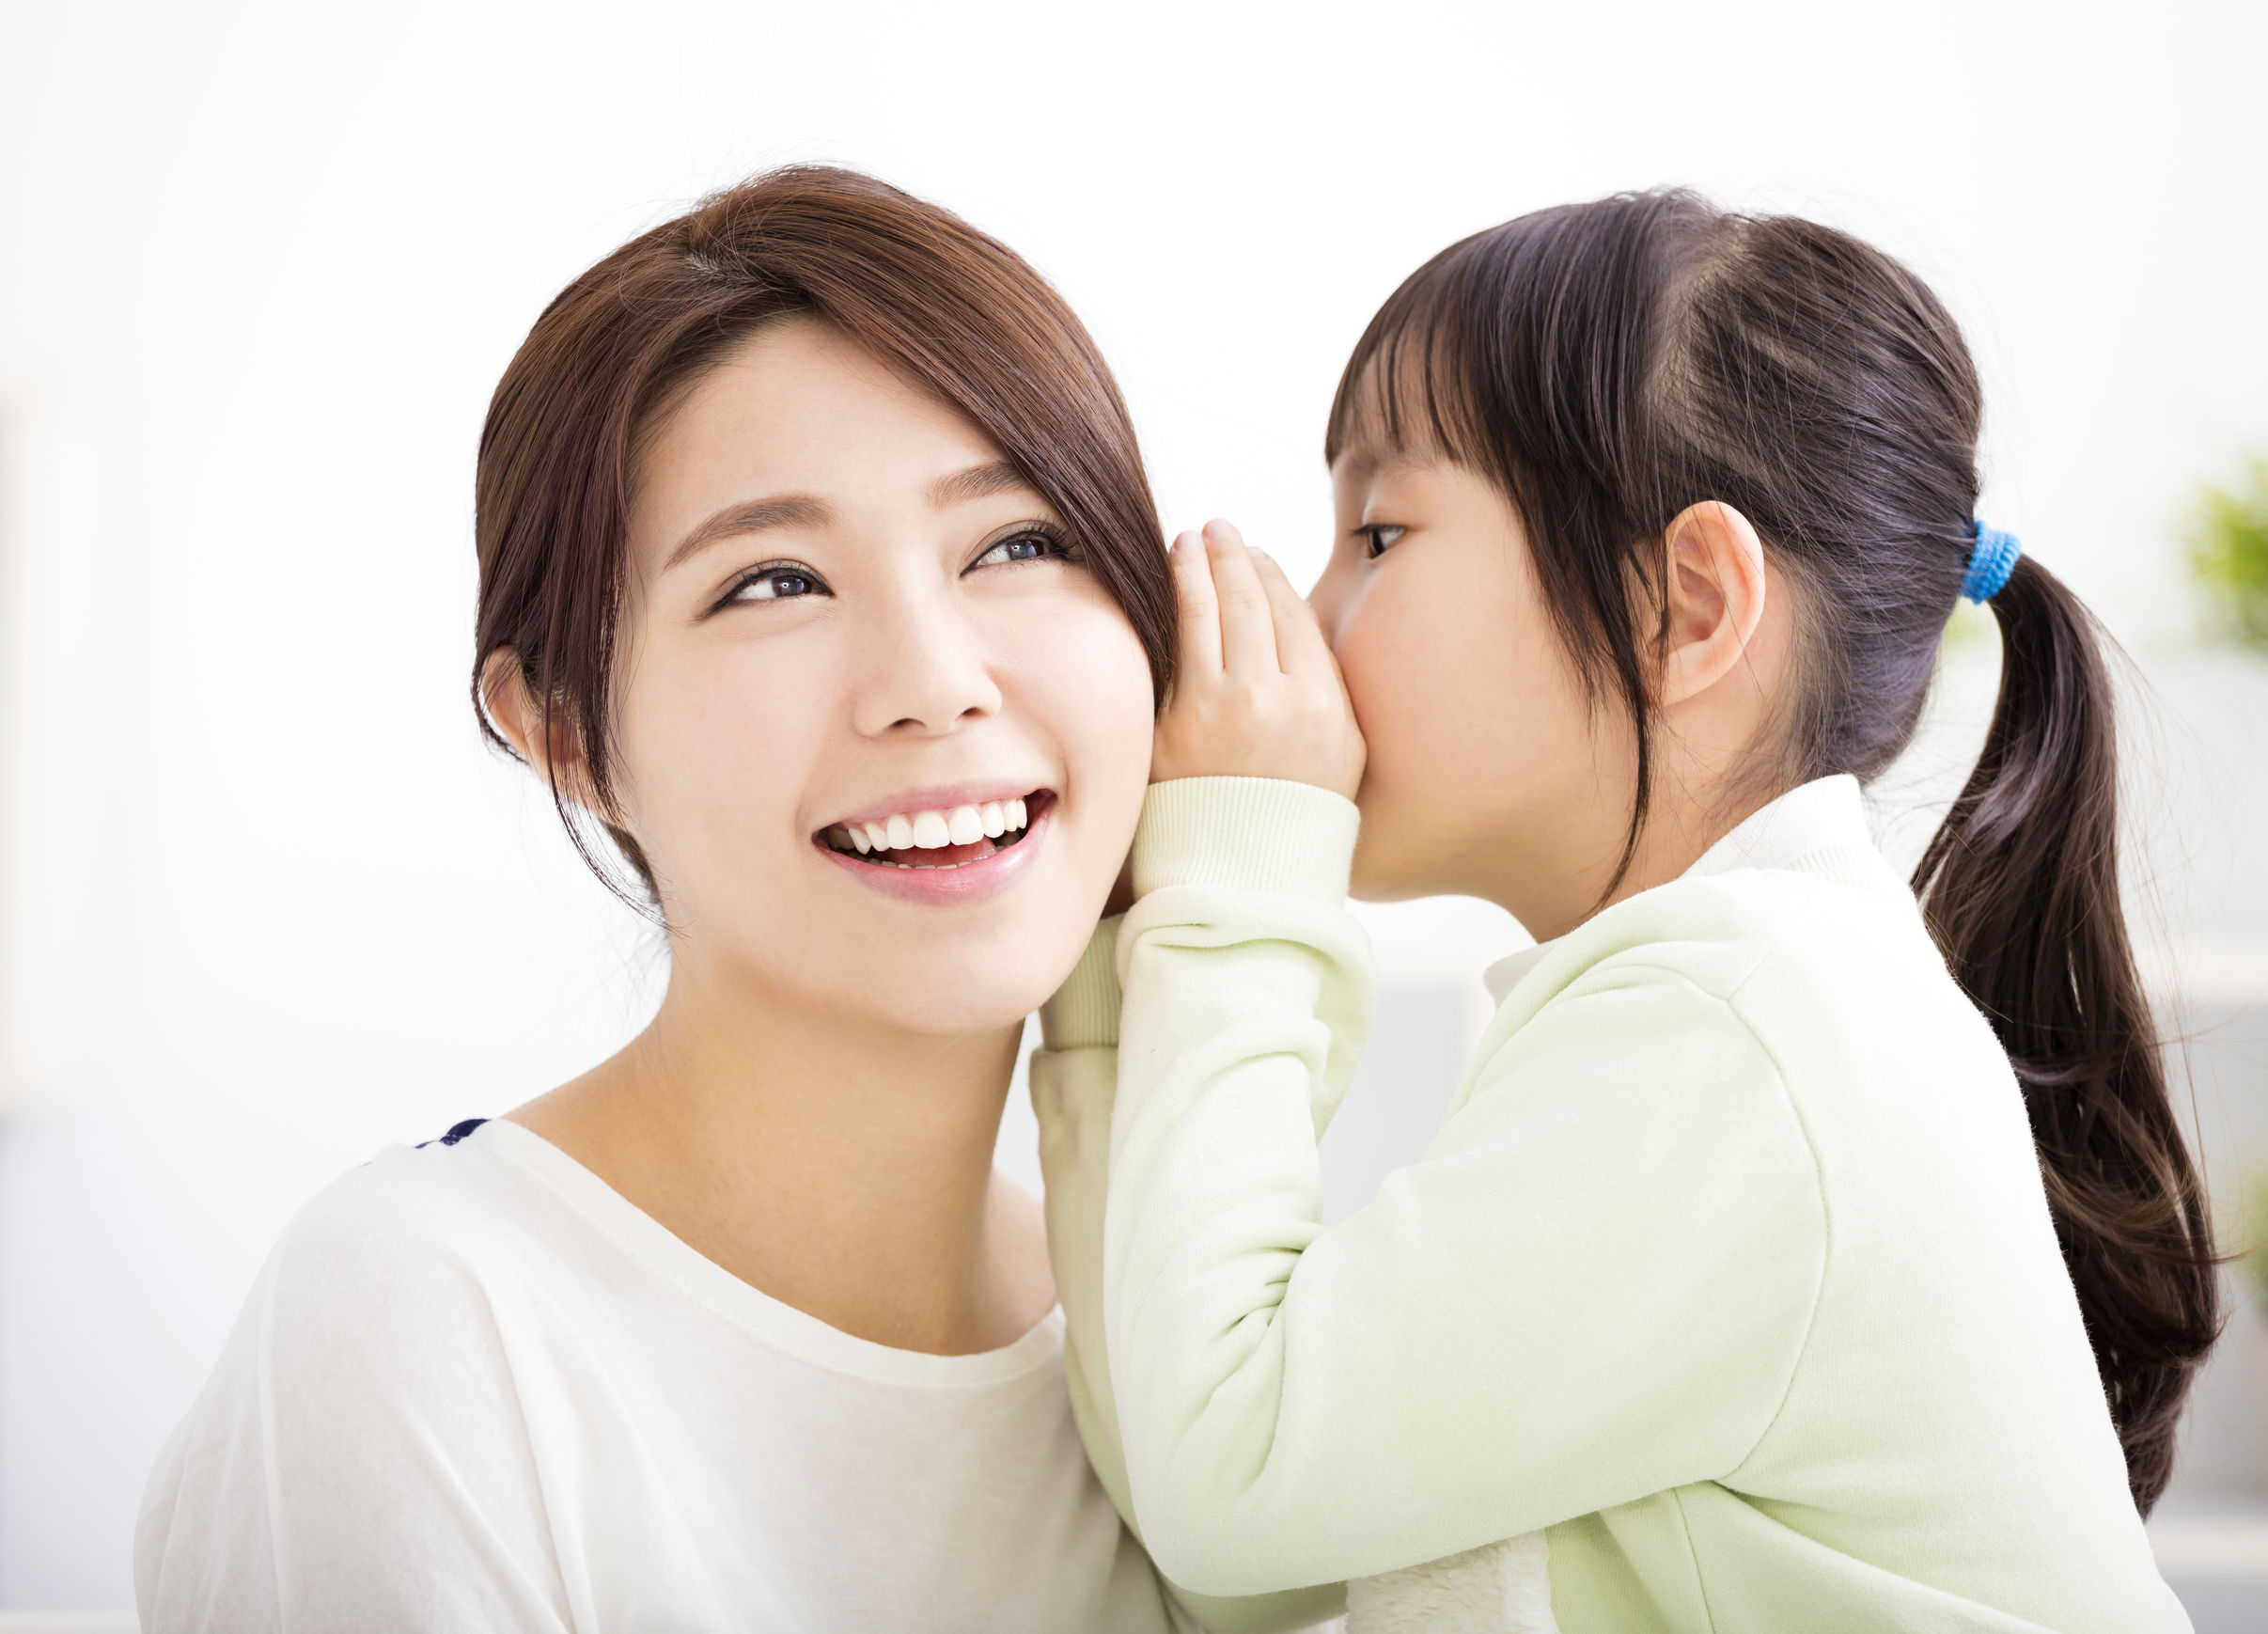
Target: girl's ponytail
{"x": 2021, "y": 890}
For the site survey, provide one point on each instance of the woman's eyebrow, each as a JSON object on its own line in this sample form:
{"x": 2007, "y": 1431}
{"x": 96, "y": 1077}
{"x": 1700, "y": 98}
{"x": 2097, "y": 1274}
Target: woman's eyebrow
{"x": 978, "y": 483}
{"x": 751, "y": 516}
{"x": 802, "y": 510}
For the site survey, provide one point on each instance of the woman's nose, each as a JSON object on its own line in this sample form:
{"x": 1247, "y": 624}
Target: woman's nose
{"x": 928, "y": 671}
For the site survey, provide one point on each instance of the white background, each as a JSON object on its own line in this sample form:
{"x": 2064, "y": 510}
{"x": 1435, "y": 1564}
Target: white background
{"x": 266, "y": 902}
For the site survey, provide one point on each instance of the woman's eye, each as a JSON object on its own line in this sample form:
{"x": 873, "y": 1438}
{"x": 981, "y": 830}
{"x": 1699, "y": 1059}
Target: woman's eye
{"x": 1378, "y": 538}
{"x": 776, "y": 584}
{"x": 1034, "y": 546}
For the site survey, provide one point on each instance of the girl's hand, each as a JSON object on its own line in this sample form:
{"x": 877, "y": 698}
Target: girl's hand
{"x": 1256, "y": 693}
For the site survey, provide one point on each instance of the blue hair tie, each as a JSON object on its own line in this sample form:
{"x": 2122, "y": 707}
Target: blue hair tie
{"x": 1991, "y": 558}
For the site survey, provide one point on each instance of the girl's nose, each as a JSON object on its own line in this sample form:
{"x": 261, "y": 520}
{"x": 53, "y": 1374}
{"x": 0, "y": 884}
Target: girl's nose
{"x": 928, "y": 671}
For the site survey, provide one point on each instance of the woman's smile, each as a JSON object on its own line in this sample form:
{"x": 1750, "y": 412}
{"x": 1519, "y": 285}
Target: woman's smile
{"x": 952, "y": 846}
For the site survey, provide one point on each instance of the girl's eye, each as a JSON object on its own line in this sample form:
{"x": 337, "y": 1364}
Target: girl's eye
{"x": 1378, "y": 538}
{"x": 1032, "y": 544}
{"x": 776, "y": 584}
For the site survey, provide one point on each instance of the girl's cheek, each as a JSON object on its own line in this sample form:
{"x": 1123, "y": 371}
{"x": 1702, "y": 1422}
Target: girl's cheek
{"x": 1394, "y": 682}
{"x": 1355, "y": 646}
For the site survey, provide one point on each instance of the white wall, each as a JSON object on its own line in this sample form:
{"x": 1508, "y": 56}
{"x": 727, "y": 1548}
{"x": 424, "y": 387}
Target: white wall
{"x": 265, "y": 903}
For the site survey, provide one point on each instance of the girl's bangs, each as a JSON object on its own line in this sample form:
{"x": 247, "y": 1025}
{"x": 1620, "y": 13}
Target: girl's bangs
{"x": 1407, "y": 391}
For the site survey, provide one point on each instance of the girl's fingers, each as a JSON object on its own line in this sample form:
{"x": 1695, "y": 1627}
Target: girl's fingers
{"x": 1247, "y": 624}
{"x": 1200, "y": 607}
{"x": 1300, "y": 646}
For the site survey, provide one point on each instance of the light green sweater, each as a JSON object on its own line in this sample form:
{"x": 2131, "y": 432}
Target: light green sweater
{"x": 1731, "y": 1264}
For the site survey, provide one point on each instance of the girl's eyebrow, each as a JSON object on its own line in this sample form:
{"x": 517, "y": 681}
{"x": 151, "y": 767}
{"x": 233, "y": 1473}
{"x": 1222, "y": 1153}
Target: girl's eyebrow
{"x": 751, "y": 516}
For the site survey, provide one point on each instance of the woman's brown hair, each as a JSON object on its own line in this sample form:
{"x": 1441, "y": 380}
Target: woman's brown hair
{"x": 1608, "y": 364}
{"x": 934, "y": 299}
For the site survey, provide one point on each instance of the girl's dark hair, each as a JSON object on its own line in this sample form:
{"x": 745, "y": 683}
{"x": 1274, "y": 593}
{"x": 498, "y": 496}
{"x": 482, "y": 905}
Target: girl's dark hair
{"x": 1607, "y": 365}
{"x": 939, "y": 302}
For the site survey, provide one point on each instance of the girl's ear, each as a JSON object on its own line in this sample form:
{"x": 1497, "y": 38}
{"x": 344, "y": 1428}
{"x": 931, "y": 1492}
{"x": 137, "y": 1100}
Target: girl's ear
{"x": 550, "y": 746}
{"x": 1716, "y": 589}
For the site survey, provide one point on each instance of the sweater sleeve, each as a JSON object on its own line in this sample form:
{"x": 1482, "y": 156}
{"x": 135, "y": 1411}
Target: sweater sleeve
{"x": 1073, "y": 1081}
{"x": 1593, "y": 1287}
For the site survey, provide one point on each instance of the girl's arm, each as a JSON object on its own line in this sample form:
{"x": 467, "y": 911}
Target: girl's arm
{"x": 1593, "y": 1288}
{"x": 1074, "y": 1082}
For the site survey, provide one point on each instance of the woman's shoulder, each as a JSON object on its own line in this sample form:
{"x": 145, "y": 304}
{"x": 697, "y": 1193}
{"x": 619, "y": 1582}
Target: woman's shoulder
{"x": 366, "y": 1392}
{"x": 422, "y": 1252}
{"x": 410, "y": 1193}
{"x": 400, "y": 1288}
{"x": 448, "y": 1209}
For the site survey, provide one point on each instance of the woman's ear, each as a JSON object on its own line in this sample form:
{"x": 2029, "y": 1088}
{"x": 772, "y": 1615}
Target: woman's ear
{"x": 551, "y": 745}
{"x": 1716, "y": 589}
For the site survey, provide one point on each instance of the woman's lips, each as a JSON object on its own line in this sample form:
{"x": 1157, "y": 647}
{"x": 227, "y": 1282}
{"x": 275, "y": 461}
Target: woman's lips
{"x": 952, "y": 872}
{"x": 932, "y": 837}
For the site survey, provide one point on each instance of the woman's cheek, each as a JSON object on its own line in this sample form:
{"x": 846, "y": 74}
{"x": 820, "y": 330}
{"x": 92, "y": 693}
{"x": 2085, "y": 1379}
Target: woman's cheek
{"x": 1086, "y": 688}
{"x": 717, "y": 748}
{"x": 1115, "y": 718}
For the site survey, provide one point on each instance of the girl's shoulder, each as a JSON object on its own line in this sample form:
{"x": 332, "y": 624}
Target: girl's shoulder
{"x": 1785, "y": 967}
{"x": 1834, "y": 909}
{"x": 1815, "y": 989}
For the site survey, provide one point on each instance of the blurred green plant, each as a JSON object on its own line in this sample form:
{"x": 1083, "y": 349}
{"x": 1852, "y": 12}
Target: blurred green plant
{"x": 2229, "y": 552}
{"x": 2251, "y": 1236}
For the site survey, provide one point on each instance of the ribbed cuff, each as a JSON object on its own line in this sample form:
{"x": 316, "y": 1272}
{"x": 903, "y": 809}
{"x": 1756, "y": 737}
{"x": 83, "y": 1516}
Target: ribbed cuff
{"x": 1083, "y": 1014}
{"x": 1249, "y": 833}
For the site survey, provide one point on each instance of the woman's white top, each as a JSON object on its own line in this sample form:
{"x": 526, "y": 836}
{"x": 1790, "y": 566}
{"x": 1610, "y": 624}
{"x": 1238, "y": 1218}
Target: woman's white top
{"x": 475, "y": 1388}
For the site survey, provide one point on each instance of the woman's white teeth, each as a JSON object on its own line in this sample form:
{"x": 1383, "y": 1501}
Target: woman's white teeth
{"x": 931, "y": 830}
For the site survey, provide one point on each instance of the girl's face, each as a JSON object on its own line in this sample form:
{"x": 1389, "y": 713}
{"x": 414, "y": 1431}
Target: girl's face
{"x": 848, "y": 615}
{"x": 1489, "y": 773}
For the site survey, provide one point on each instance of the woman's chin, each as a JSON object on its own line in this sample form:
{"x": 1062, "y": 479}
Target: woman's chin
{"x": 951, "y": 1001}
{"x": 950, "y": 972}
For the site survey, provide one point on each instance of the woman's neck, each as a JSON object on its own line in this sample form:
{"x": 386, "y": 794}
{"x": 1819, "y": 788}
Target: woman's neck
{"x": 845, "y": 1170}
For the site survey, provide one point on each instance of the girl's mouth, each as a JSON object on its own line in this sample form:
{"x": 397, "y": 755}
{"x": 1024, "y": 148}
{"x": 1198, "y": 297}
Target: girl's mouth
{"x": 949, "y": 837}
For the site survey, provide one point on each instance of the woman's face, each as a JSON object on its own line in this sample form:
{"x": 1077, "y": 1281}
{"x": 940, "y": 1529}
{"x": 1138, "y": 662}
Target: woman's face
{"x": 849, "y": 615}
